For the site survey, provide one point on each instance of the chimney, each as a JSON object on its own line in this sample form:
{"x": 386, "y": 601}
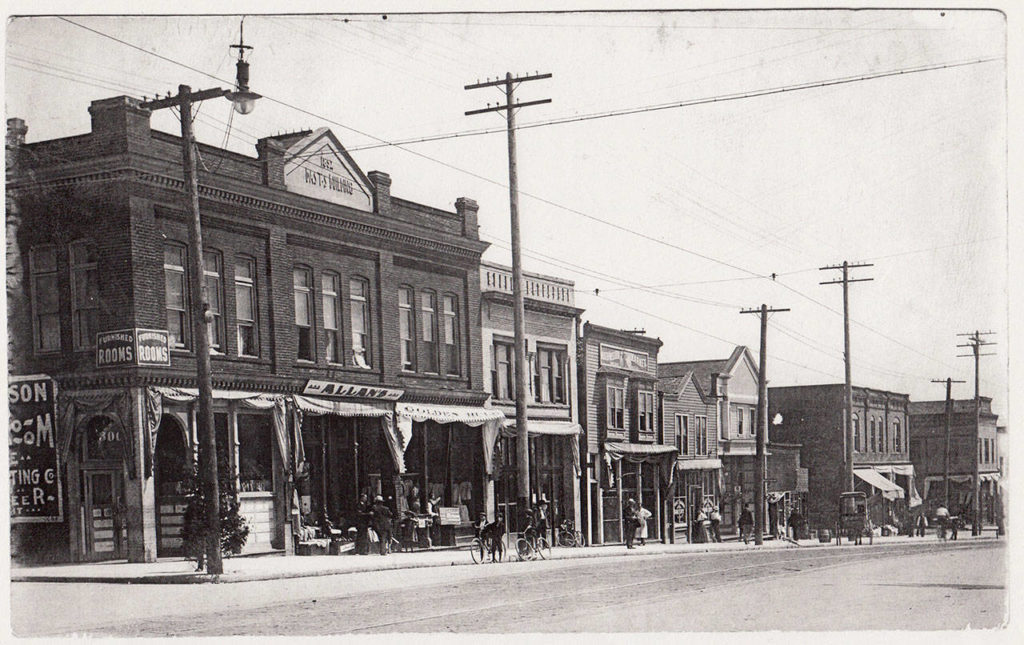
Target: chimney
{"x": 120, "y": 117}
{"x": 467, "y": 209}
{"x": 381, "y": 191}
{"x": 16, "y": 131}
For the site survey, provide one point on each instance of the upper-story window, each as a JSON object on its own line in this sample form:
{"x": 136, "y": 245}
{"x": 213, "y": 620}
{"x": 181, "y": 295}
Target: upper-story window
{"x": 701, "y": 435}
{"x": 176, "y": 294}
{"x": 503, "y": 376}
{"x": 330, "y": 284}
{"x": 245, "y": 306}
{"x": 645, "y": 412}
{"x": 549, "y": 375}
{"x": 85, "y": 301}
{"x": 451, "y": 335}
{"x": 872, "y": 445}
{"x": 741, "y": 414}
{"x": 302, "y": 281}
{"x": 616, "y": 407}
{"x": 214, "y": 287}
{"x": 897, "y": 436}
{"x": 753, "y": 422}
{"x": 407, "y": 328}
{"x": 428, "y": 331}
{"x": 45, "y": 299}
{"x": 359, "y": 308}
{"x": 683, "y": 434}
{"x": 856, "y": 432}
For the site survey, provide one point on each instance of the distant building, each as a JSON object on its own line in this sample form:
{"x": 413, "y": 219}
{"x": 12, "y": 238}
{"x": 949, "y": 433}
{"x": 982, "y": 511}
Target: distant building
{"x": 732, "y": 384}
{"x": 627, "y": 455}
{"x": 552, "y": 321}
{"x": 970, "y": 445}
{"x": 813, "y": 416}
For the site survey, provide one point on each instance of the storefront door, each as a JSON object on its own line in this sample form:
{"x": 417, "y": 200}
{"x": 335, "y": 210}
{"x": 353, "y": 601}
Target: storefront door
{"x": 102, "y": 515}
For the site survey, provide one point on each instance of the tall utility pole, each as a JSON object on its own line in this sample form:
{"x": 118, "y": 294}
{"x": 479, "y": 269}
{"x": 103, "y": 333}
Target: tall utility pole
{"x": 760, "y": 467}
{"x": 949, "y": 414}
{"x": 243, "y": 100}
{"x": 508, "y": 85}
{"x": 848, "y": 398}
{"x": 975, "y": 342}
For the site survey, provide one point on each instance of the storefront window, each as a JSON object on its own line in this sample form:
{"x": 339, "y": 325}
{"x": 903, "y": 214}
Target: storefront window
{"x": 255, "y": 453}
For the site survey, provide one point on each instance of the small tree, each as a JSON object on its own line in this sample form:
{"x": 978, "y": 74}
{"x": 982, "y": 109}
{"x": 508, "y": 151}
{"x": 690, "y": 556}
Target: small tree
{"x": 234, "y": 529}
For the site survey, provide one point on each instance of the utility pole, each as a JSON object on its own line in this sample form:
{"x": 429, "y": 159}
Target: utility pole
{"x": 848, "y": 398}
{"x": 975, "y": 343}
{"x": 949, "y": 413}
{"x": 760, "y": 467}
{"x": 243, "y": 101}
{"x": 508, "y": 85}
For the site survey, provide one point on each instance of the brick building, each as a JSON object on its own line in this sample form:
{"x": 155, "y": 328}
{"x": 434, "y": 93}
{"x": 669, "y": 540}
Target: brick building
{"x": 813, "y": 416}
{"x": 552, "y": 322}
{"x": 970, "y": 445}
{"x": 627, "y": 454}
{"x": 732, "y": 384}
{"x": 690, "y": 422}
{"x": 345, "y": 326}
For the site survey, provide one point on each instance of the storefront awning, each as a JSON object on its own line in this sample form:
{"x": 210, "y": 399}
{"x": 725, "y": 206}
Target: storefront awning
{"x": 543, "y": 427}
{"x": 318, "y": 406}
{"x": 890, "y": 490}
{"x": 699, "y": 464}
{"x": 188, "y": 394}
{"x": 989, "y": 477}
{"x": 448, "y": 413}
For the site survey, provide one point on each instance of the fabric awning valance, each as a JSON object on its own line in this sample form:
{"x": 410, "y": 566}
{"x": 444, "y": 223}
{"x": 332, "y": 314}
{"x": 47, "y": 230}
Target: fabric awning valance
{"x": 638, "y": 451}
{"x": 889, "y": 489}
{"x": 986, "y": 477}
{"x": 188, "y": 394}
{"x": 448, "y": 413}
{"x": 318, "y": 406}
{"x": 699, "y": 464}
{"x": 538, "y": 427}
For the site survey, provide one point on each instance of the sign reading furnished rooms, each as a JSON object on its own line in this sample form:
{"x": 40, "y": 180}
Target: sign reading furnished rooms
{"x": 132, "y": 347}
{"x": 317, "y": 166}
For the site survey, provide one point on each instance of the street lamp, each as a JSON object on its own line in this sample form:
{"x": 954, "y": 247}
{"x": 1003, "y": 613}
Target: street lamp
{"x": 244, "y": 102}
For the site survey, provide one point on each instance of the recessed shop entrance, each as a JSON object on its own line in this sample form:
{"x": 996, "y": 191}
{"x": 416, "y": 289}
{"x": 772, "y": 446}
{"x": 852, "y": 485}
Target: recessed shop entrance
{"x": 102, "y": 507}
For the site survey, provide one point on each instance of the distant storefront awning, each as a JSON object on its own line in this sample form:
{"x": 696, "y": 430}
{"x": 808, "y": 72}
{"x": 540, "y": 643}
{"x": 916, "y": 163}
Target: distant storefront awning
{"x": 889, "y": 489}
{"x": 989, "y": 477}
{"x": 471, "y": 416}
{"x": 699, "y": 464}
{"x": 319, "y": 406}
{"x": 548, "y": 428}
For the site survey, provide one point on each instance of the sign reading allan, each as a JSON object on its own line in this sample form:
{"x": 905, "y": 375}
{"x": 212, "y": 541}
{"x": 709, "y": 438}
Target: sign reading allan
{"x": 317, "y": 166}
{"x": 35, "y": 483}
{"x": 331, "y": 388}
{"x": 132, "y": 347}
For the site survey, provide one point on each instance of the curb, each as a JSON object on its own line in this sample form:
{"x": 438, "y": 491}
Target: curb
{"x": 576, "y": 554}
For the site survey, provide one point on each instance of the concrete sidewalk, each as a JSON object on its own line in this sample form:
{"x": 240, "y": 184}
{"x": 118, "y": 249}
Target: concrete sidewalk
{"x": 279, "y": 566}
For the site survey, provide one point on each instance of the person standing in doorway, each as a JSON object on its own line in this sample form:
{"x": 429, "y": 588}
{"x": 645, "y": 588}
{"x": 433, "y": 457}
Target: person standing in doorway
{"x": 364, "y": 514}
{"x": 716, "y": 522}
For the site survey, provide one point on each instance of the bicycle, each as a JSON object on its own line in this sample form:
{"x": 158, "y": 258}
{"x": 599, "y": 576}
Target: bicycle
{"x": 531, "y": 546}
{"x": 480, "y": 550}
{"x": 568, "y": 536}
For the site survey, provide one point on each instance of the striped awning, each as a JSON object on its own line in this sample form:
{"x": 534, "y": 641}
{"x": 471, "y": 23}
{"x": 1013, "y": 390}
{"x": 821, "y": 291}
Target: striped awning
{"x": 318, "y": 406}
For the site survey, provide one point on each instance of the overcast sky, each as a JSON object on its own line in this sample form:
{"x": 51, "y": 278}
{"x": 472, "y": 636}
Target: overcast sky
{"x": 700, "y": 201}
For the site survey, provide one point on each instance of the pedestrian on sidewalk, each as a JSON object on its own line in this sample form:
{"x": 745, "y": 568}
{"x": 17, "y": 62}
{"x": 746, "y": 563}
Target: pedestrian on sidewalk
{"x": 746, "y": 524}
{"x": 631, "y": 521}
{"x": 641, "y": 532}
{"x": 922, "y": 524}
{"x": 796, "y": 521}
{"x": 716, "y": 523}
{"x": 364, "y": 514}
{"x": 382, "y": 517}
{"x": 941, "y": 521}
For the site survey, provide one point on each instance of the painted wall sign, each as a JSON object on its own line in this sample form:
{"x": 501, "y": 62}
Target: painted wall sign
{"x": 34, "y": 466}
{"x": 331, "y": 388}
{"x": 623, "y": 358}
{"x": 317, "y": 166}
{"x": 132, "y": 347}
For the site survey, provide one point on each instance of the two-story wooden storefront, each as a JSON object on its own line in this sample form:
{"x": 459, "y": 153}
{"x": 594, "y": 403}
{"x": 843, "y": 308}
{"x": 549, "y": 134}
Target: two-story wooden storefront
{"x": 344, "y": 324}
{"x": 627, "y": 454}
